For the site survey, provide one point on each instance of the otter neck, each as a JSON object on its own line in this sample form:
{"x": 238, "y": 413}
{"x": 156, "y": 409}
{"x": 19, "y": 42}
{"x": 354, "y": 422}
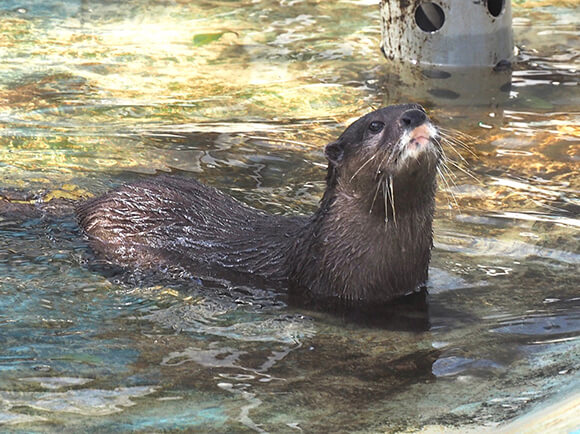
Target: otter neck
{"x": 384, "y": 195}
{"x": 357, "y": 252}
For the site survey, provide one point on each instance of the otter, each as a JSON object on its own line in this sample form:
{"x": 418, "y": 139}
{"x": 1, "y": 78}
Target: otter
{"x": 369, "y": 241}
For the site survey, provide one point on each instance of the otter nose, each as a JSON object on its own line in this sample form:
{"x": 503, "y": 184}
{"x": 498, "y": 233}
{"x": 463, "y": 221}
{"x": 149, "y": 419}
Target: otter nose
{"x": 412, "y": 118}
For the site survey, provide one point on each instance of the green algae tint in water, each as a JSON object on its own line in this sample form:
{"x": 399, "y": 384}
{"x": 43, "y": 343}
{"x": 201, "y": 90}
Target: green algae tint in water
{"x": 243, "y": 95}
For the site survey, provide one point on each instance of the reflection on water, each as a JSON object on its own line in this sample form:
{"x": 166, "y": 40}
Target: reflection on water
{"x": 243, "y": 96}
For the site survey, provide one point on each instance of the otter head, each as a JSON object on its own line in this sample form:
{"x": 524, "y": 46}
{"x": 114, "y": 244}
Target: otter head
{"x": 392, "y": 140}
{"x": 393, "y": 148}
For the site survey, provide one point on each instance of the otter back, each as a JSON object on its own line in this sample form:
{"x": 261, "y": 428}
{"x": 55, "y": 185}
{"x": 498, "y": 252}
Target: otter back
{"x": 178, "y": 222}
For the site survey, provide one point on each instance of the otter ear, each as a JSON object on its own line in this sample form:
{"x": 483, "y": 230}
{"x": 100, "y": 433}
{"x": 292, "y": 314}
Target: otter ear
{"x": 334, "y": 151}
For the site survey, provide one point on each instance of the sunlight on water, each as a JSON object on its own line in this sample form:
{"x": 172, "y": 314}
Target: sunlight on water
{"x": 244, "y": 95}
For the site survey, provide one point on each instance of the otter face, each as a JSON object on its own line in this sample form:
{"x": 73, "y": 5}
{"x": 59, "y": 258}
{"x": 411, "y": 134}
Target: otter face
{"x": 388, "y": 141}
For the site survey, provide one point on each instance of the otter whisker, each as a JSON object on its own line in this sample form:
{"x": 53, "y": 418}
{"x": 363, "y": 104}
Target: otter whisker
{"x": 446, "y": 161}
{"x": 467, "y": 172}
{"x": 459, "y": 137}
{"x": 436, "y": 151}
{"x": 443, "y": 162}
{"x": 452, "y": 144}
{"x": 380, "y": 182}
{"x": 363, "y": 166}
{"x": 375, "y": 196}
{"x": 458, "y": 133}
{"x": 382, "y": 162}
{"x": 447, "y": 172}
{"x": 397, "y": 149}
{"x": 453, "y": 135}
{"x": 392, "y": 194}
{"x": 443, "y": 177}
{"x": 386, "y": 199}
{"x": 452, "y": 147}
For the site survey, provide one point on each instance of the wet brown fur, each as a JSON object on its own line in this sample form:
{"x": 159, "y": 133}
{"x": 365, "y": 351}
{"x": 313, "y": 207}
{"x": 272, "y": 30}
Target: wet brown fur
{"x": 370, "y": 240}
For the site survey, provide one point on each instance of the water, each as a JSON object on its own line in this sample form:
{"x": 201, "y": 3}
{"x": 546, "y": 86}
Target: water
{"x": 243, "y": 96}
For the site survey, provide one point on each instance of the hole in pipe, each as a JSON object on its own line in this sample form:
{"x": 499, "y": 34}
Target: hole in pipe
{"x": 495, "y": 7}
{"x": 430, "y": 17}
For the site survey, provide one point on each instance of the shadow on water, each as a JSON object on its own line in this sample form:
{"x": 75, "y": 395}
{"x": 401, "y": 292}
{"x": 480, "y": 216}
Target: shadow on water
{"x": 409, "y": 313}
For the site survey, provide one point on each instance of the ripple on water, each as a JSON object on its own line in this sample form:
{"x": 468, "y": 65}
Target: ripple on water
{"x": 87, "y": 402}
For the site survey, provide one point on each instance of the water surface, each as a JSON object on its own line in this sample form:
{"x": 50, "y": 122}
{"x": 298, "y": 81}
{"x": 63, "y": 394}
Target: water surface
{"x": 243, "y": 96}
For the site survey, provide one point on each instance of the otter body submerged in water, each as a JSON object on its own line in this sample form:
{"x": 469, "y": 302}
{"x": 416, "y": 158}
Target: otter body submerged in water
{"x": 369, "y": 241}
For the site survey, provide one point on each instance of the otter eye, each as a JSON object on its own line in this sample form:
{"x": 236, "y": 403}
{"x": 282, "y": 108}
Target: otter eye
{"x": 376, "y": 126}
